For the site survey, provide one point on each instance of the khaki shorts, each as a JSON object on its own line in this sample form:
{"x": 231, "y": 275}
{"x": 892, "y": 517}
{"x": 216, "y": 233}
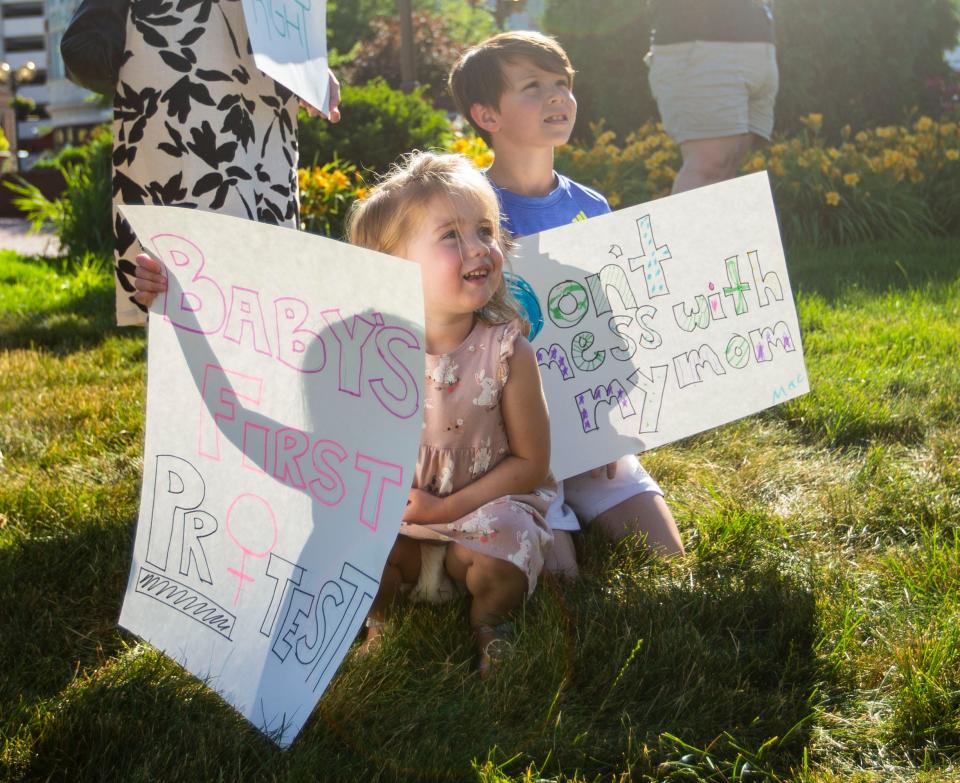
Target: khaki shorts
{"x": 711, "y": 89}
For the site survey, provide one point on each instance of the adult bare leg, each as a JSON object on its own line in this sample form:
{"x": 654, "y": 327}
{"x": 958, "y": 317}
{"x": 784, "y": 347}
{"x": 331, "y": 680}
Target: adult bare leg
{"x": 706, "y": 161}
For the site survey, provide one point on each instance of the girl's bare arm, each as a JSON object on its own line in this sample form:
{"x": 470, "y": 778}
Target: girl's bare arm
{"x": 528, "y": 431}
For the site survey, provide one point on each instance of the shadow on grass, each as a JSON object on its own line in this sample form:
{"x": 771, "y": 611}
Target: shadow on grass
{"x": 702, "y": 668}
{"x": 641, "y": 669}
{"x": 873, "y": 268}
{"x": 61, "y": 324}
{"x": 61, "y": 597}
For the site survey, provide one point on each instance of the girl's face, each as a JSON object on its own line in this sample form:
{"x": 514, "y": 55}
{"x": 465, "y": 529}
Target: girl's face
{"x": 456, "y": 245}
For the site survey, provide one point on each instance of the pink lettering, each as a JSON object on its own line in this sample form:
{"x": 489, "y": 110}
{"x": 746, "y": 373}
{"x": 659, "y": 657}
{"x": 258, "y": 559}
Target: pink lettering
{"x": 379, "y": 473}
{"x": 298, "y": 348}
{"x": 187, "y": 304}
{"x": 245, "y": 311}
{"x": 328, "y": 486}
{"x": 255, "y": 447}
{"x": 351, "y": 339}
{"x": 406, "y": 401}
{"x": 217, "y": 406}
{"x": 291, "y": 446}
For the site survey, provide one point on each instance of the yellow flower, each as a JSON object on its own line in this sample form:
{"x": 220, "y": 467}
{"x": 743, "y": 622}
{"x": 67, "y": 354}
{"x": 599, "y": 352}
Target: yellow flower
{"x": 613, "y": 199}
{"x": 813, "y": 121}
{"x": 861, "y": 137}
{"x": 776, "y": 167}
{"x": 851, "y": 178}
{"x": 923, "y": 124}
{"x": 891, "y": 158}
{"x": 952, "y": 154}
{"x": 832, "y": 198}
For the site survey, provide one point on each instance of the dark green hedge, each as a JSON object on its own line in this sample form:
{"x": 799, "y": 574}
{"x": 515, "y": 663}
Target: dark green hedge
{"x": 857, "y": 62}
{"x": 378, "y": 124}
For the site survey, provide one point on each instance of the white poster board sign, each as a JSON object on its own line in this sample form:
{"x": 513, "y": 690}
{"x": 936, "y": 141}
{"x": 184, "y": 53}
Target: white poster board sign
{"x": 283, "y": 422}
{"x": 289, "y": 40}
{"x": 661, "y": 321}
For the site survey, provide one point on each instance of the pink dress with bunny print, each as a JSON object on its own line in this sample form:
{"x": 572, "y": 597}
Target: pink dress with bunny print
{"x": 463, "y": 438}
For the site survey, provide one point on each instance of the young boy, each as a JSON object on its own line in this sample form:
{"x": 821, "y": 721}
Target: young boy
{"x": 516, "y": 90}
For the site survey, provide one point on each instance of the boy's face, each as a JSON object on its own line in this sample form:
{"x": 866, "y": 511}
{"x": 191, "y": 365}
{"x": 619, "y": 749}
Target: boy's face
{"x": 537, "y": 108}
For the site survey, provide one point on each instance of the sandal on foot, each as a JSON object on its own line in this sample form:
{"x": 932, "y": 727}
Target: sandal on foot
{"x": 493, "y": 644}
{"x": 375, "y": 632}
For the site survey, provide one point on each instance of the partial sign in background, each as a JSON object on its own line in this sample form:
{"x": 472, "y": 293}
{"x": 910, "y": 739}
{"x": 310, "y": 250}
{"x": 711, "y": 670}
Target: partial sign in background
{"x": 289, "y": 40}
{"x": 661, "y": 321}
{"x": 283, "y": 420}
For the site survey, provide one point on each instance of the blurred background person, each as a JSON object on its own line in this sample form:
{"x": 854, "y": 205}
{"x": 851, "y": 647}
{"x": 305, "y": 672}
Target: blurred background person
{"x": 713, "y": 72}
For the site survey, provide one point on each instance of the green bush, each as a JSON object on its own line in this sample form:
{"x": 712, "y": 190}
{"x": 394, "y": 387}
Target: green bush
{"x": 68, "y": 155}
{"x": 348, "y": 21}
{"x": 379, "y": 124}
{"x": 862, "y": 62}
{"x": 889, "y": 182}
{"x": 81, "y": 216}
{"x": 607, "y": 52}
{"x": 858, "y": 62}
{"x": 436, "y": 50}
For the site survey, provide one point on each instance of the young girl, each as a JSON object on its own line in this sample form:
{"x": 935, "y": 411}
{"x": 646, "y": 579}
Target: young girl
{"x": 481, "y": 486}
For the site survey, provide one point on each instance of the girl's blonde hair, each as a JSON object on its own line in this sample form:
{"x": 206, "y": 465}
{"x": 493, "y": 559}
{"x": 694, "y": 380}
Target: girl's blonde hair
{"x": 396, "y": 206}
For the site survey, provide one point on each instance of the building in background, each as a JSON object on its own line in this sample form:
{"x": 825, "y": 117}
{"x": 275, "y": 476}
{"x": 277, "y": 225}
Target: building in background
{"x": 73, "y": 110}
{"x": 30, "y": 31}
{"x": 22, "y": 41}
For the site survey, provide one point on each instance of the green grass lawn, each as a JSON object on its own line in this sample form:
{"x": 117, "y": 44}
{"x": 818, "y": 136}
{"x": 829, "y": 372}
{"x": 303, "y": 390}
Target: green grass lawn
{"x": 811, "y": 634}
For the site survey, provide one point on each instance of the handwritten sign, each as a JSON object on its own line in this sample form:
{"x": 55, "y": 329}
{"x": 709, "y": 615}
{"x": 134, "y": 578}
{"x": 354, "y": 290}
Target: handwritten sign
{"x": 283, "y": 420}
{"x": 289, "y": 40}
{"x": 661, "y": 321}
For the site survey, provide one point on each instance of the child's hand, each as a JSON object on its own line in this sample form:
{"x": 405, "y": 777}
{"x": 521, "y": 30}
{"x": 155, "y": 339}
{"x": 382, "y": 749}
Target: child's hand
{"x": 424, "y": 509}
{"x": 149, "y": 280}
{"x": 610, "y": 470}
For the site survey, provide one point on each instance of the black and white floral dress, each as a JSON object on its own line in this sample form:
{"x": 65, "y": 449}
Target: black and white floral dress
{"x": 196, "y": 124}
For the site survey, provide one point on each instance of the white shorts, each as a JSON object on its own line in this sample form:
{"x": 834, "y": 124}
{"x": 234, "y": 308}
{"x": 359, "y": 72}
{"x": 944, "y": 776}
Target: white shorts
{"x": 713, "y": 89}
{"x": 586, "y": 498}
